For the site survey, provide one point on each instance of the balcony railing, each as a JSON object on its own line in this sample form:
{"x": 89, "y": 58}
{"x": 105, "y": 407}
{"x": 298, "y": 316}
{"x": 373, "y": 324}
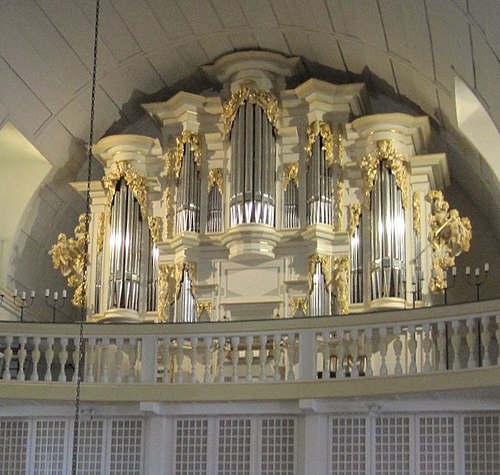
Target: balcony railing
{"x": 311, "y": 351}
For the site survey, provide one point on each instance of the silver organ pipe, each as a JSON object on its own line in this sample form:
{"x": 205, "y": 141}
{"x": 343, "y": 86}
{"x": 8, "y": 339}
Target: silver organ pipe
{"x": 356, "y": 261}
{"x": 253, "y": 180}
{"x": 186, "y": 303}
{"x": 152, "y": 277}
{"x": 188, "y": 194}
{"x": 291, "y": 205}
{"x": 319, "y": 296}
{"x": 319, "y": 186}
{"x": 388, "y": 256}
{"x": 125, "y": 252}
{"x": 419, "y": 276}
{"x": 214, "y": 218}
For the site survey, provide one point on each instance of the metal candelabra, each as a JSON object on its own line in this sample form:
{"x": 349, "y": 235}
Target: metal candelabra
{"x": 54, "y": 303}
{"x": 448, "y": 284}
{"x": 22, "y": 302}
{"x": 477, "y": 280}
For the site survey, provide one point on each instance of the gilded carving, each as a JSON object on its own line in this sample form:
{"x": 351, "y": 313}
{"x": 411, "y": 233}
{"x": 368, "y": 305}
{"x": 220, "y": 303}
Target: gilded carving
{"x": 290, "y": 173}
{"x": 137, "y": 182}
{"x": 299, "y": 303}
{"x": 68, "y": 255}
{"x": 179, "y": 270}
{"x": 340, "y": 270}
{"x": 205, "y": 305}
{"x": 248, "y": 93}
{"x": 324, "y": 262}
{"x": 166, "y": 290}
{"x": 175, "y": 155}
{"x": 339, "y": 203}
{"x": 215, "y": 179}
{"x": 322, "y": 129}
{"x": 154, "y": 225}
{"x": 100, "y": 232}
{"x": 168, "y": 200}
{"x": 354, "y": 217}
{"x": 416, "y": 212}
{"x": 449, "y": 236}
{"x": 396, "y": 162}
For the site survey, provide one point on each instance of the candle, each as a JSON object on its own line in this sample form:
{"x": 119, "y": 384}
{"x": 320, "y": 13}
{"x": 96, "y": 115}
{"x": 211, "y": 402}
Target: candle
{"x": 486, "y": 267}
{"x": 47, "y": 293}
{"x": 15, "y": 292}
{"x": 56, "y": 296}
{"x": 32, "y": 294}
{"x": 467, "y": 270}
{"x": 445, "y": 275}
{"x": 64, "y": 294}
{"x": 477, "y": 272}
{"x": 23, "y": 296}
{"x": 454, "y": 271}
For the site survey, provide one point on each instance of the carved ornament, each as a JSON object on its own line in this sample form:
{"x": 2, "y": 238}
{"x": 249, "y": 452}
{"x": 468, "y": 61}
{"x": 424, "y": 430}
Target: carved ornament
{"x": 416, "y": 212}
{"x": 322, "y": 129}
{"x": 166, "y": 290}
{"x": 324, "y": 262}
{"x": 340, "y": 270}
{"x": 175, "y": 155}
{"x": 299, "y": 303}
{"x": 290, "y": 173}
{"x": 179, "y": 271}
{"x": 154, "y": 225}
{"x": 449, "y": 236}
{"x": 168, "y": 200}
{"x": 339, "y": 203}
{"x": 204, "y": 306}
{"x": 354, "y": 217}
{"x": 101, "y": 229}
{"x": 68, "y": 255}
{"x": 395, "y": 161}
{"x": 215, "y": 179}
{"x": 248, "y": 93}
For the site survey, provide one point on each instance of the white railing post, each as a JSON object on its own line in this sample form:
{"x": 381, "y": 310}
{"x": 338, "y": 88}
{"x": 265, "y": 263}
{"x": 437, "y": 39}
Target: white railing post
{"x": 307, "y": 355}
{"x": 148, "y": 359}
{"x": 486, "y": 340}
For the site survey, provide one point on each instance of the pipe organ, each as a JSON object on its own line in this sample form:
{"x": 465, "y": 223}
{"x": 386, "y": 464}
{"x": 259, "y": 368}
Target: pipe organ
{"x": 261, "y": 202}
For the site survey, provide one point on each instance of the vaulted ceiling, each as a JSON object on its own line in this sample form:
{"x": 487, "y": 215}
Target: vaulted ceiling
{"x": 411, "y": 51}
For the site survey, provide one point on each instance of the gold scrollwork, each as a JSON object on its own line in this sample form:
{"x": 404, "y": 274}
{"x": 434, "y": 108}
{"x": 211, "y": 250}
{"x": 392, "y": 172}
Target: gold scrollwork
{"x": 215, "y": 179}
{"x": 137, "y": 182}
{"x": 154, "y": 225}
{"x": 168, "y": 200}
{"x": 290, "y": 173}
{"x": 416, "y": 212}
{"x": 204, "y": 305}
{"x": 101, "y": 229}
{"x": 340, "y": 270}
{"x": 354, "y": 217}
{"x": 179, "y": 271}
{"x": 322, "y": 129}
{"x": 299, "y": 303}
{"x": 449, "y": 236}
{"x": 339, "y": 203}
{"x": 176, "y": 153}
{"x": 68, "y": 255}
{"x": 248, "y": 93}
{"x": 396, "y": 162}
{"x": 166, "y": 290}
{"x": 324, "y": 262}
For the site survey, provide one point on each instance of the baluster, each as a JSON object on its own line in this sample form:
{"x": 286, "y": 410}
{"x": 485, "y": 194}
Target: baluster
{"x": 412, "y": 348}
{"x": 104, "y": 373}
{"x": 354, "y": 350}
{"x": 90, "y": 359}
{"x": 119, "y": 360}
{"x": 263, "y": 357}
{"x": 340, "y": 353}
{"x": 427, "y": 346}
{"x": 207, "y": 343}
{"x": 49, "y": 357}
{"x": 135, "y": 363}
{"x": 326, "y": 355}
{"x": 165, "y": 356}
{"x": 471, "y": 342}
{"x": 441, "y": 344}
{"x": 276, "y": 356}
{"x": 249, "y": 357}
{"x": 221, "y": 357}
{"x": 383, "y": 350}
{"x": 194, "y": 358}
{"x": 7, "y": 358}
{"x": 291, "y": 348}
{"x": 179, "y": 359}
{"x": 63, "y": 358}
{"x": 35, "y": 358}
{"x": 76, "y": 360}
{"x": 398, "y": 347}
{"x": 235, "y": 341}
{"x": 21, "y": 355}
{"x": 486, "y": 340}
{"x": 455, "y": 343}
{"x": 368, "y": 351}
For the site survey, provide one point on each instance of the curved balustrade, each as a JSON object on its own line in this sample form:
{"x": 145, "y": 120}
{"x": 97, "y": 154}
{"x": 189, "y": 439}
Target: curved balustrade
{"x": 394, "y": 344}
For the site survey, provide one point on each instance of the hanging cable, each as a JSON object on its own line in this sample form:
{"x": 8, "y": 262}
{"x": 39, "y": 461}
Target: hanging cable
{"x": 83, "y": 313}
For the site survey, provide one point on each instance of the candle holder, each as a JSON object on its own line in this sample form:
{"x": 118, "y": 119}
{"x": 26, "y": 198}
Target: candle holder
{"x": 416, "y": 286}
{"x": 1, "y": 298}
{"x": 54, "y": 303}
{"x": 22, "y": 302}
{"x": 448, "y": 284}
{"x": 477, "y": 280}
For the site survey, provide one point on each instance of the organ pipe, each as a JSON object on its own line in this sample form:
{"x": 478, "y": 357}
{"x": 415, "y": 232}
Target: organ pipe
{"x": 253, "y": 180}
{"x": 186, "y": 303}
{"x": 356, "y": 262}
{"x": 388, "y": 256}
{"x": 319, "y": 296}
{"x": 291, "y": 205}
{"x": 214, "y": 218}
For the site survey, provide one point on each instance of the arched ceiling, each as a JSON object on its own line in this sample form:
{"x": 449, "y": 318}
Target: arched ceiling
{"x": 412, "y": 50}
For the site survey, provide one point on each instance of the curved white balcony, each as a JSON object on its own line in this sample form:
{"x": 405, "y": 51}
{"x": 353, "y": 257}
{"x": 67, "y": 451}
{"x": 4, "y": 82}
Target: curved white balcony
{"x": 403, "y": 352}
